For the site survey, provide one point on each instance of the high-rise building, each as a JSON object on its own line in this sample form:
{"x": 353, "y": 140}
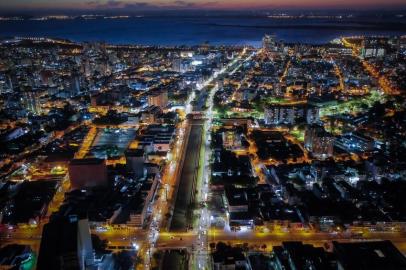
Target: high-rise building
{"x": 286, "y": 114}
{"x": 373, "y": 47}
{"x": 158, "y": 98}
{"x": 87, "y": 68}
{"x": 7, "y": 84}
{"x": 87, "y": 173}
{"x": 176, "y": 64}
{"x": 312, "y": 115}
{"x": 135, "y": 159}
{"x": 31, "y": 101}
{"x": 279, "y": 114}
{"x": 231, "y": 139}
{"x": 74, "y": 84}
{"x": 66, "y": 244}
{"x": 46, "y": 77}
{"x": 151, "y": 114}
{"x": 269, "y": 43}
{"x": 319, "y": 142}
{"x": 3, "y": 84}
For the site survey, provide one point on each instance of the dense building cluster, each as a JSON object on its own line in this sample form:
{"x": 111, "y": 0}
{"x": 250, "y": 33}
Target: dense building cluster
{"x": 135, "y": 152}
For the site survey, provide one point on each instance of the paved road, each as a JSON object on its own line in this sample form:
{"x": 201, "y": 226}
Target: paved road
{"x": 188, "y": 177}
{"x": 188, "y": 239}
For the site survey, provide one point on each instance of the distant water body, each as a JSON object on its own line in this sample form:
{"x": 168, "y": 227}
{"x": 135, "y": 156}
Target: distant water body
{"x": 196, "y": 30}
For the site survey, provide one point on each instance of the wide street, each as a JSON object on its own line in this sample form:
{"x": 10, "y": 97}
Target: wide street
{"x": 187, "y": 239}
{"x": 188, "y": 178}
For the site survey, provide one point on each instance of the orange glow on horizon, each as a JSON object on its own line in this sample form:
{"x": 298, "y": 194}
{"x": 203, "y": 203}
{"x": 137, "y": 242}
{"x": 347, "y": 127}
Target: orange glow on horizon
{"x": 134, "y": 5}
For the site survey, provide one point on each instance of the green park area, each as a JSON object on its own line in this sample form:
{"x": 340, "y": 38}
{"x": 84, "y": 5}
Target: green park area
{"x": 298, "y": 134}
{"x": 353, "y": 106}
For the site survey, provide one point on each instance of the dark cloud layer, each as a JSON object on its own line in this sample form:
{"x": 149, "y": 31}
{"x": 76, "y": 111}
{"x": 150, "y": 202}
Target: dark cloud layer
{"x": 118, "y": 4}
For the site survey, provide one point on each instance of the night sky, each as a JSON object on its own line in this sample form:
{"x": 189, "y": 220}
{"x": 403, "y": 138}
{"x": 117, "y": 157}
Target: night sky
{"x": 134, "y": 5}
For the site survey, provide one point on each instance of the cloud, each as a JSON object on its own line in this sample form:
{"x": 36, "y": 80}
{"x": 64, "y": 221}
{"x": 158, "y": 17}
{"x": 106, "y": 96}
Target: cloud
{"x": 113, "y": 4}
{"x": 186, "y": 4}
{"x": 122, "y": 4}
{"x": 116, "y": 4}
{"x": 181, "y": 3}
{"x": 139, "y": 5}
